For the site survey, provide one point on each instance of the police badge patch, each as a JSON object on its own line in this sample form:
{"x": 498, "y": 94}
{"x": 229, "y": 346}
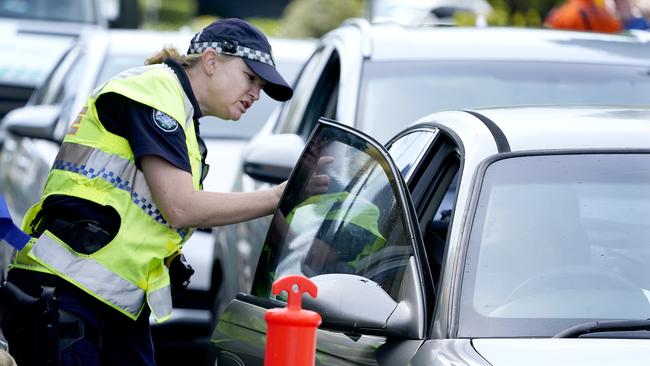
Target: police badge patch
{"x": 164, "y": 121}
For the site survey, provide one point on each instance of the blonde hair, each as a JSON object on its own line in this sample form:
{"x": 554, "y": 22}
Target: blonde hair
{"x": 187, "y": 61}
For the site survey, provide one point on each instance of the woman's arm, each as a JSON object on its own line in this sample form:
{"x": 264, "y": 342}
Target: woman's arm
{"x": 183, "y": 206}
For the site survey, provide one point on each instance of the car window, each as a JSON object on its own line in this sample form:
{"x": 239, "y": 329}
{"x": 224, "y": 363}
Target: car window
{"x": 430, "y": 161}
{"x": 395, "y": 93}
{"x": 292, "y": 112}
{"x": 324, "y": 99}
{"x": 77, "y": 11}
{"x": 407, "y": 150}
{"x": 358, "y": 226}
{"x": 558, "y": 240}
{"x": 50, "y": 91}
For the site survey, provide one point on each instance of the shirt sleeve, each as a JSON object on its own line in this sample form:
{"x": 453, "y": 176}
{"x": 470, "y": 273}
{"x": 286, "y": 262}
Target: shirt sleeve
{"x": 149, "y": 131}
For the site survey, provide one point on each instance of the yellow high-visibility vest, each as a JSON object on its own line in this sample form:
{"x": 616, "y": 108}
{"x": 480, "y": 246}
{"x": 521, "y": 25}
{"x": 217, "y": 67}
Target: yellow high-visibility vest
{"x": 99, "y": 166}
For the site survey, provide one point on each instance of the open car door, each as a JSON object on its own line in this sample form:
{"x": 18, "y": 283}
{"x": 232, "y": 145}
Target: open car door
{"x": 346, "y": 222}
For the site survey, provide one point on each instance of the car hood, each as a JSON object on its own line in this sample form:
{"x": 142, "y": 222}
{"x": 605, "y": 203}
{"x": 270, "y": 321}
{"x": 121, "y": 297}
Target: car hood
{"x": 562, "y": 351}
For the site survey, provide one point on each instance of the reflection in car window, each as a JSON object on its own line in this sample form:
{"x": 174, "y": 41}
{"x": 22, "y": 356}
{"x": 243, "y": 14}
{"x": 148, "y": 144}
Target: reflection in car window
{"x": 558, "y": 240}
{"x": 406, "y": 91}
{"x": 355, "y": 227}
{"x": 408, "y": 150}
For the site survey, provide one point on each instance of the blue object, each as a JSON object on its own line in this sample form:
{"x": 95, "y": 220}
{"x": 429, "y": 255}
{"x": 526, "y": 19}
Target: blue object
{"x": 10, "y": 233}
{"x": 636, "y": 23}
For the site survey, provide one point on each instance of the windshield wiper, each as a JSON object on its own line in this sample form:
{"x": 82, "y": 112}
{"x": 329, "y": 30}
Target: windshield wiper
{"x": 601, "y": 326}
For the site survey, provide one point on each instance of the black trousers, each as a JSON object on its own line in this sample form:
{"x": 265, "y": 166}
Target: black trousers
{"x": 109, "y": 337}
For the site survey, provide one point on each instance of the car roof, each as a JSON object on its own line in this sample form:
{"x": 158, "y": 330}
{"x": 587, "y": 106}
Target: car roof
{"x": 557, "y": 127}
{"x": 391, "y": 41}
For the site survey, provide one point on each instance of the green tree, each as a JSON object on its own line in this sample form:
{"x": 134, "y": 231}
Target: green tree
{"x": 313, "y": 18}
{"x": 167, "y": 14}
{"x": 524, "y": 13}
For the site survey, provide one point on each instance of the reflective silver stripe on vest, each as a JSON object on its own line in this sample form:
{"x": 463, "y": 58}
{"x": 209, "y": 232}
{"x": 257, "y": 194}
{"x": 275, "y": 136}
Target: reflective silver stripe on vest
{"x": 121, "y": 173}
{"x": 160, "y": 302}
{"x": 103, "y": 282}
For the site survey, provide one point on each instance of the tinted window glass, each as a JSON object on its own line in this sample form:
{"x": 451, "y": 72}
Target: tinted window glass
{"x": 357, "y": 226}
{"x": 407, "y": 150}
{"x": 78, "y": 11}
{"x": 556, "y": 241}
{"x": 406, "y": 91}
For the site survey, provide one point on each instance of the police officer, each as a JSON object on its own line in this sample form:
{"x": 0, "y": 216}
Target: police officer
{"x": 122, "y": 196}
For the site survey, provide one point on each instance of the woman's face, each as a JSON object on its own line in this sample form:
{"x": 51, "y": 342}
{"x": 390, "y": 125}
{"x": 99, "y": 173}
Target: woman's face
{"x": 232, "y": 88}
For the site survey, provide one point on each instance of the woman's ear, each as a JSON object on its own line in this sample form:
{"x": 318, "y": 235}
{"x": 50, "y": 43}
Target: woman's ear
{"x": 209, "y": 61}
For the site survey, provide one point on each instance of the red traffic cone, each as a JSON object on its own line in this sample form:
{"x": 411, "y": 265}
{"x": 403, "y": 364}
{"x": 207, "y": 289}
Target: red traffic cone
{"x": 291, "y": 331}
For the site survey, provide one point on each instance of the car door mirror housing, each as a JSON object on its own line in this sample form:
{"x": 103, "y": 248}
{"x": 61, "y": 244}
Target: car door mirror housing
{"x": 353, "y": 304}
{"x": 271, "y": 158}
{"x": 33, "y": 121}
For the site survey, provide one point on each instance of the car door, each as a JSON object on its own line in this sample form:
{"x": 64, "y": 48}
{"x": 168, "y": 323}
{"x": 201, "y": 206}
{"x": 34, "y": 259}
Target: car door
{"x": 359, "y": 241}
{"x": 237, "y": 246}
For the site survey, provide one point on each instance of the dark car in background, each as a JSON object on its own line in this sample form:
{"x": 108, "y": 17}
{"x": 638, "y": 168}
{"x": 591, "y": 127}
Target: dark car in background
{"x": 378, "y": 77}
{"x": 503, "y": 237}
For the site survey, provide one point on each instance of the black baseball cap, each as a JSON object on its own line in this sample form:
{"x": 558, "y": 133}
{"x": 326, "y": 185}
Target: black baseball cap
{"x": 236, "y": 37}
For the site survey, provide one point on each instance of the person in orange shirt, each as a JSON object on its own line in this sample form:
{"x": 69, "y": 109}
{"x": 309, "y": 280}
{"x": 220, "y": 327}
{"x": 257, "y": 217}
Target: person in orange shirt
{"x": 586, "y": 15}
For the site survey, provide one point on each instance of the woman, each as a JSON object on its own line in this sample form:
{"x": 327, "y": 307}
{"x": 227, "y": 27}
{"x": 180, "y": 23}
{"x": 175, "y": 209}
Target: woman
{"x": 123, "y": 195}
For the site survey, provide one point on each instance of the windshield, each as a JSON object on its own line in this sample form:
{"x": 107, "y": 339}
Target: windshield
{"x": 77, "y": 11}
{"x": 252, "y": 121}
{"x": 558, "y": 240}
{"x": 406, "y": 91}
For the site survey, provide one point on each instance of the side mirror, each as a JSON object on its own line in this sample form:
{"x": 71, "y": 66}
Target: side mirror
{"x": 33, "y": 121}
{"x": 271, "y": 158}
{"x": 342, "y": 296}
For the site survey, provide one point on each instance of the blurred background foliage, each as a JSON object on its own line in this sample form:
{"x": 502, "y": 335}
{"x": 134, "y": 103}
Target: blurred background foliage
{"x": 313, "y": 18}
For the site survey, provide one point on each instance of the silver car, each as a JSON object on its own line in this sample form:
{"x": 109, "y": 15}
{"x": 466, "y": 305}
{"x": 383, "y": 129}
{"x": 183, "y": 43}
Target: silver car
{"x": 378, "y": 77}
{"x": 510, "y": 236}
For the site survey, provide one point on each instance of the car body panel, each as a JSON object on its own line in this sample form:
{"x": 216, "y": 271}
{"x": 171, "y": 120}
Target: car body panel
{"x": 241, "y": 330}
{"x": 599, "y": 127}
{"x": 514, "y": 44}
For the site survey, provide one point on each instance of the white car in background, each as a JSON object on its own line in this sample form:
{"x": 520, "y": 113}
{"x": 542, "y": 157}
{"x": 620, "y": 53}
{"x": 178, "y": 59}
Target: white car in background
{"x": 33, "y": 134}
{"x": 37, "y": 33}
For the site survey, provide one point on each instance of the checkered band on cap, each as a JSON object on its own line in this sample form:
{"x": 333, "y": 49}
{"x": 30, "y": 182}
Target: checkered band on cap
{"x": 228, "y": 48}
